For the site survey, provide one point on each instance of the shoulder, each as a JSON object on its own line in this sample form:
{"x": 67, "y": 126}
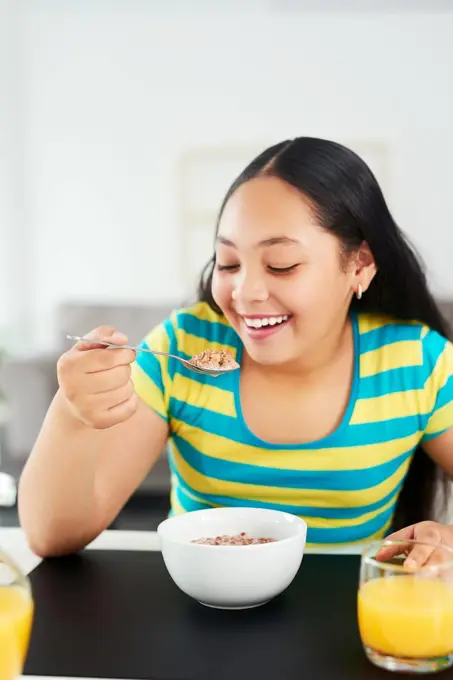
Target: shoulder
{"x": 202, "y": 322}
{"x": 387, "y": 343}
{"x": 404, "y": 343}
{"x": 190, "y": 330}
{"x": 379, "y": 330}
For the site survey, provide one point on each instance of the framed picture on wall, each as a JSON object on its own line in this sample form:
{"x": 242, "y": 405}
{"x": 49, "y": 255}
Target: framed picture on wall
{"x": 205, "y": 176}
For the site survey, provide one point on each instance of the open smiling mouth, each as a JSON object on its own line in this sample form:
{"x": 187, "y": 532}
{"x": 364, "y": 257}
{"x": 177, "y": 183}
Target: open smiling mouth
{"x": 263, "y": 326}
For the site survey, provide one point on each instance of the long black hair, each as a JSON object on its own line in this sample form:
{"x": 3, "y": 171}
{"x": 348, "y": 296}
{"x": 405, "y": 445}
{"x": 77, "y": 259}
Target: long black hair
{"x": 347, "y": 201}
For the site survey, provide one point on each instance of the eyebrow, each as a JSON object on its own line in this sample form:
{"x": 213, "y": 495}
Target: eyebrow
{"x": 273, "y": 241}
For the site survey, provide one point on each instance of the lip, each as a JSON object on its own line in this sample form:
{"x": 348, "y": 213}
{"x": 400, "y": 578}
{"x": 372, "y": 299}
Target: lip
{"x": 262, "y": 316}
{"x": 265, "y": 332}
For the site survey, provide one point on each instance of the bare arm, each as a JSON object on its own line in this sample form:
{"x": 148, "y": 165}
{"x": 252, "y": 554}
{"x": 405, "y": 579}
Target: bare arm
{"x": 77, "y": 479}
{"x": 97, "y": 443}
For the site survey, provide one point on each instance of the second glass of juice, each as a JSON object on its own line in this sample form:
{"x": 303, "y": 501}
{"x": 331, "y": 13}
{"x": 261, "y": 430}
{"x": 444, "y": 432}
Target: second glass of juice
{"x": 405, "y": 616}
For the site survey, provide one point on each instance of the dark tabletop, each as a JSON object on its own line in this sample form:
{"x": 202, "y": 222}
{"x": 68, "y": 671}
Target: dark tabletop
{"x": 117, "y": 614}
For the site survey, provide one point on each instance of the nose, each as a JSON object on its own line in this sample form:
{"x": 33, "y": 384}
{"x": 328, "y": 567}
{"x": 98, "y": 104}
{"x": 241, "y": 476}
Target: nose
{"x": 249, "y": 288}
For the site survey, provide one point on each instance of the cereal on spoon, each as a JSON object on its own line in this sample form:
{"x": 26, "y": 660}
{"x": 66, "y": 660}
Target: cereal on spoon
{"x": 215, "y": 359}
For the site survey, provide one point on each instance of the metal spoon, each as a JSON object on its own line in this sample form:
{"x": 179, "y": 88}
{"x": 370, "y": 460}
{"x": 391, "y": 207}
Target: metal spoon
{"x": 213, "y": 372}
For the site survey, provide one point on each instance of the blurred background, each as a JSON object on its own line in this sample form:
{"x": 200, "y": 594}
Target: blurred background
{"x": 122, "y": 124}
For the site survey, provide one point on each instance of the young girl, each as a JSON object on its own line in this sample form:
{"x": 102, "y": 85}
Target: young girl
{"x": 342, "y": 411}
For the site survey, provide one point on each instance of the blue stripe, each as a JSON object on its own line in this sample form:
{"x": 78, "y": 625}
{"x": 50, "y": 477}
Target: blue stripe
{"x": 328, "y": 480}
{"x": 150, "y": 362}
{"x": 357, "y": 435}
{"x": 173, "y": 364}
{"x": 305, "y": 510}
{"x": 433, "y": 346}
{"x": 388, "y": 335}
{"x": 350, "y": 534}
{"x": 188, "y": 503}
{"x": 150, "y": 365}
{"x": 394, "y": 380}
{"x": 314, "y": 535}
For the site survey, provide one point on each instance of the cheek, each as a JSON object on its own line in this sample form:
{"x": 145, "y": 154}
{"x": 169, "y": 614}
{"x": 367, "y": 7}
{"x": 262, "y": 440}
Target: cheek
{"x": 315, "y": 291}
{"x": 221, "y": 290}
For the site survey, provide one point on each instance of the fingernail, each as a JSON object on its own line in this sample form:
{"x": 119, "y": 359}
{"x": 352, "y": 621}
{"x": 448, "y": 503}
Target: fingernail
{"x": 410, "y": 563}
{"x": 118, "y": 337}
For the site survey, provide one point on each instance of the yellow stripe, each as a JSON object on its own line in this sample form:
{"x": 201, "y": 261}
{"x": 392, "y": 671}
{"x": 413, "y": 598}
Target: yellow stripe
{"x": 147, "y": 391}
{"x": 331, "y": 459}
{"x": 424, "y": 333}
{"x": 298, "y": 497}
{"x": 195, "y": 393}
{"x": 408, "y": 402}
{"x": 158, "y": 339}
{"x": 389, "y": 406}
{"x": 323, "y": 522}
{"x": 395, "y": 355}
{"x": 333, "y": 523}
{"x": 441, "y": 420}
{"x": 203, "y": 311}
{"x": 179, "y": 510}
{"x": 443, "y": 369}
{"x": 194, "y": 344}
{"x": 371, "y": 322}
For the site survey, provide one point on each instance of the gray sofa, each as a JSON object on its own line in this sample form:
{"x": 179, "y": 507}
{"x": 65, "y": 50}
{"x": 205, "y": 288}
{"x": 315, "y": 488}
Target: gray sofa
{"x": 30, "y": 383}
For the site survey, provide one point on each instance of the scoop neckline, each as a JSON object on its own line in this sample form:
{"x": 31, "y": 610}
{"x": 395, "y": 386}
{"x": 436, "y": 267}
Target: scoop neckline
{"x": 332, "y": 439}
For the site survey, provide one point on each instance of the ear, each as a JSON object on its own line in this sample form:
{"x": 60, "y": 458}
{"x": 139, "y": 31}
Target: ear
{"x": 363, "y": 267}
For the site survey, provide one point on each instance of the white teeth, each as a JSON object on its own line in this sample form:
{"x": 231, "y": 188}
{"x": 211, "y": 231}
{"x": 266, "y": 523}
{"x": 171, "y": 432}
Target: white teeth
{"x": 266, "y": 321}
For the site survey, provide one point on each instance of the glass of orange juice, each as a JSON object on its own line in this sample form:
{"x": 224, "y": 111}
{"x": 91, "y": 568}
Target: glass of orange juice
{"x": 16, "y": 615}
{"x": 405, "y": 615}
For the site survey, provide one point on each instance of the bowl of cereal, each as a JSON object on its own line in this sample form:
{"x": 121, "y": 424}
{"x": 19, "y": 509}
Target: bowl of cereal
{"x": 233, "y": 558}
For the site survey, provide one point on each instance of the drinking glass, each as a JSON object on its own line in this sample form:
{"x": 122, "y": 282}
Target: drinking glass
{"x": 405, "y": 615}
{"x": 16, "y": 615}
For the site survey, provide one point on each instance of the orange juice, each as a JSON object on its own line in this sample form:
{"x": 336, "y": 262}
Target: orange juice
{"x": 407, "y": 616}
{"x": 16, "y": 614}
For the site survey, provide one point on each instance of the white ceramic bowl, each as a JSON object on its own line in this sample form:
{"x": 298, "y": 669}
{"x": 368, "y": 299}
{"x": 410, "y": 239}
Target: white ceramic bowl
{"x": 233, "y": 577}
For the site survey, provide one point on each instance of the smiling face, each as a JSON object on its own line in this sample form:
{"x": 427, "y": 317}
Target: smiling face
{"x": 279, "y": 277}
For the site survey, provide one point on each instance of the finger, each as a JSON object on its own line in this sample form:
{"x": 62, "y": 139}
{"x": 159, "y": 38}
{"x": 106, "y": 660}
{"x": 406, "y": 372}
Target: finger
{"x": 389, "y": 551}
{"x": 104, "y": 333}
{"x": 118, "y": 414}
{"x": 108, "y": 400}
{"x": 100, "y": 382}
{"x": 95, "y": 360}
{"x": 420, "y": 554}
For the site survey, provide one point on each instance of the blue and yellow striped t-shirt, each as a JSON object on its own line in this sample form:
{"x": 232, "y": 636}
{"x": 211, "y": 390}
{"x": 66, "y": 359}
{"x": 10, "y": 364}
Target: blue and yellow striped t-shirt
{"x": 345, "y": 485}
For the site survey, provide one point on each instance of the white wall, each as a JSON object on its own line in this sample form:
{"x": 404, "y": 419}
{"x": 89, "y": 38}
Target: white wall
{"x": 115, "y": 92}
{"x": 14, "y": 285}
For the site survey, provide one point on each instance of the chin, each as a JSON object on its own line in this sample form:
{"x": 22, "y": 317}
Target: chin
{"x": 267, "y": 356}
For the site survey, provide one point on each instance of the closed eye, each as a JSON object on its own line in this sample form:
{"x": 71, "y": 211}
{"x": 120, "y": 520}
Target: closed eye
{"x": 282, "y": 270}
{"x": 227, "y": 267}
{"x": 273, "y": 270}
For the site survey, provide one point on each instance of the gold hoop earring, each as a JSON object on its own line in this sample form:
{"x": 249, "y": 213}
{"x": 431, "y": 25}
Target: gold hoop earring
{"x": 359, "y": 292}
